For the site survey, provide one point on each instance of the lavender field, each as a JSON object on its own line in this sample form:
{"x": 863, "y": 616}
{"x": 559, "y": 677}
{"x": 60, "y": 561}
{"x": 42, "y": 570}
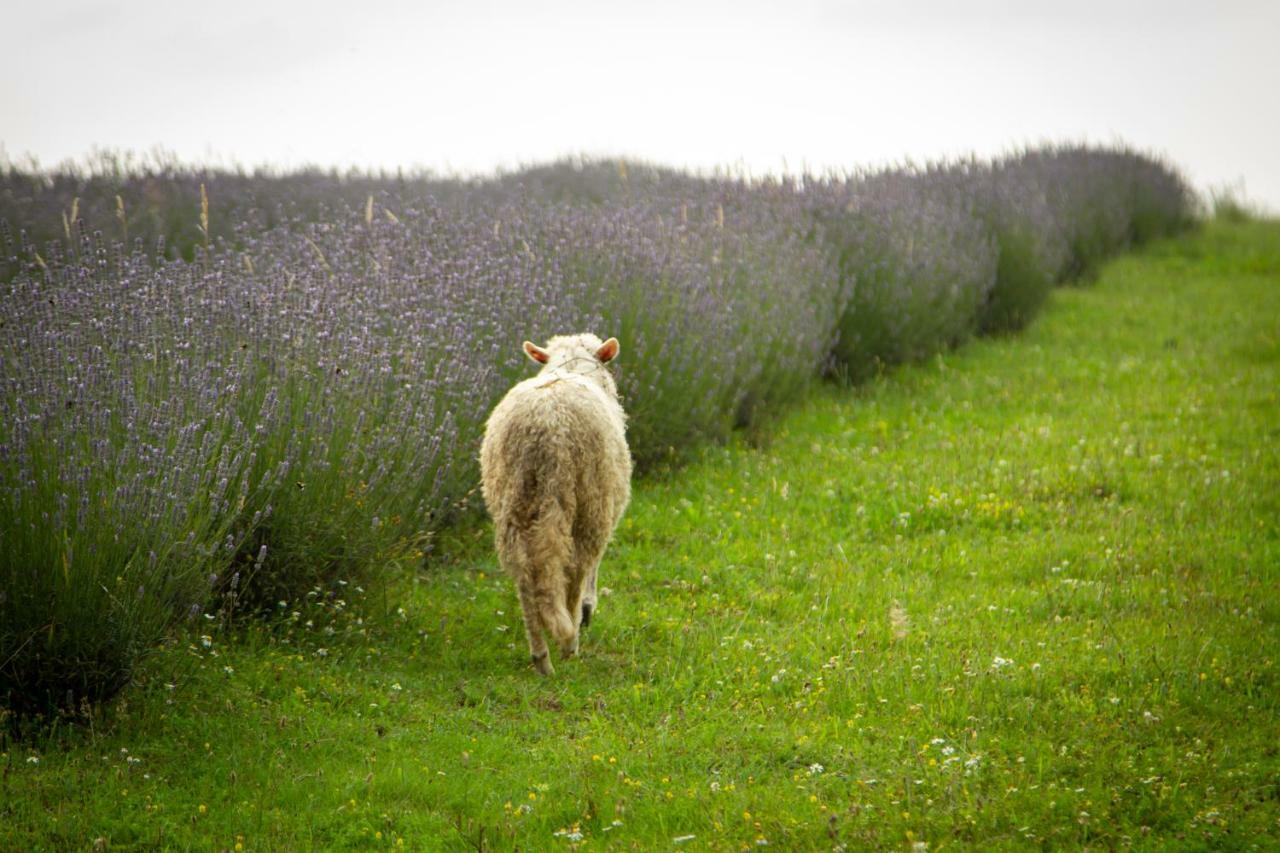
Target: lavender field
{"x": 220, "y": 391}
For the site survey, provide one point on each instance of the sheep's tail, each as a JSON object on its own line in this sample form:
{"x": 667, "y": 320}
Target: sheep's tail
{"x": 547, "y": 548}
{"x": 550, "y": 547}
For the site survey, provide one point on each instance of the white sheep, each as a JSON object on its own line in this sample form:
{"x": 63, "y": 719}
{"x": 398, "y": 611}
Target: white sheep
{"x": 556, "y": 475}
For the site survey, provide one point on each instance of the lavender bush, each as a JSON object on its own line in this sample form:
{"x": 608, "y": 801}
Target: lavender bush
{"x": 301, "y": 395}
{"x": 1030, "y": 247}
{"x": 124, "y": 460}
{"x": 1103, "y": 200}
{"x": 153, "y": 198}
{"x": 919, "y": 264}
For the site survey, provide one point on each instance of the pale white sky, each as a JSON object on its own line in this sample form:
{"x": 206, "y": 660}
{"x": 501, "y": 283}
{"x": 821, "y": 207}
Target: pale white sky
{"x": 470, "y": 86}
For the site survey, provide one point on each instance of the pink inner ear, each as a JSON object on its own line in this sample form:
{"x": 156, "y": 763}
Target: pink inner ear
{"x": 536, "y": 353}
{"x": 608, "y": 351}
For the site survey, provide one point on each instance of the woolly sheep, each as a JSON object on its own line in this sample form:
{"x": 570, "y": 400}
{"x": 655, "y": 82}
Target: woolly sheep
{"x": 556, "y": 475}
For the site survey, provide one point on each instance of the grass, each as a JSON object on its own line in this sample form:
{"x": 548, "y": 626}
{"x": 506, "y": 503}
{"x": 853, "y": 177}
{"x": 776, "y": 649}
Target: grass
{"x": 1022, "y": 594}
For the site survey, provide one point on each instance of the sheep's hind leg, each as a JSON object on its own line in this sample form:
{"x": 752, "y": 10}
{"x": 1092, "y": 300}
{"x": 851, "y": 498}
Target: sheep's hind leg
{"x": 573, "y": 601}
{"x": 589, "y": 594}
{"x": 538, "y": 652}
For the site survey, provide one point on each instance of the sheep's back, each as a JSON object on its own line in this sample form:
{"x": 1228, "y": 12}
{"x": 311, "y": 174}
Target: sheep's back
{"x": 556, "y": 439}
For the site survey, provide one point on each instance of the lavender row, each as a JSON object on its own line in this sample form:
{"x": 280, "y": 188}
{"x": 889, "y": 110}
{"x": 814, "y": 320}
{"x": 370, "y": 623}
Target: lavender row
{"x": 305, "y": 401}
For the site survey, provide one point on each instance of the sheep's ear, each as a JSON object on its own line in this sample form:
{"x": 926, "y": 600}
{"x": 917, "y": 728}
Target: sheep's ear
{"x": 536, "y": 353}
{"x": 608, "y": 350}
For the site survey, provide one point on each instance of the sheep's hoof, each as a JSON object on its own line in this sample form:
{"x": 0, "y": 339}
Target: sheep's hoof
{"x": 542, "y": 663}
{"x": 586, "y": 614}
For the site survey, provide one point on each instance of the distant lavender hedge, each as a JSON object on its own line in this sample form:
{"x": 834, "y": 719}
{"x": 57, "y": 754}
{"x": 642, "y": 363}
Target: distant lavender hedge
{"x": 298, "y": 395}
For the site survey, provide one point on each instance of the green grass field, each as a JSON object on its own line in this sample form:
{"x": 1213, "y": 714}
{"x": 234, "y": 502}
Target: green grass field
{"x": 1023, "y": 594}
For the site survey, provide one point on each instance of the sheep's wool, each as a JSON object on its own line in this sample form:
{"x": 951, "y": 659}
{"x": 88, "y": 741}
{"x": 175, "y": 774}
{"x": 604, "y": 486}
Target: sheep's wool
{"x": 556, "y": 476}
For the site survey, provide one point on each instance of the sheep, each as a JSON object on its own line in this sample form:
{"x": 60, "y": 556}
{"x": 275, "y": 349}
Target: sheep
{"x": 556, "y": 477}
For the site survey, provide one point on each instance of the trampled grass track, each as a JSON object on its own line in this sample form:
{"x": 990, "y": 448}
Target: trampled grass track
{"x": 1024, "y": 593}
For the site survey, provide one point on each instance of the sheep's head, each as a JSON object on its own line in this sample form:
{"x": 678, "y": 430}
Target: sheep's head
{"x": 583, "y": 354}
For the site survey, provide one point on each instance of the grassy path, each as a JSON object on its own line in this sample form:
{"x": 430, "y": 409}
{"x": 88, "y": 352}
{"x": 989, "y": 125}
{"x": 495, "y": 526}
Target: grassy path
{"x": 1024, "y": 593}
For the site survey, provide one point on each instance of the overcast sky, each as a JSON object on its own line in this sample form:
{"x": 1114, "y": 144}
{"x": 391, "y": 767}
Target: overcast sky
{"x": 761, "y": 86}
